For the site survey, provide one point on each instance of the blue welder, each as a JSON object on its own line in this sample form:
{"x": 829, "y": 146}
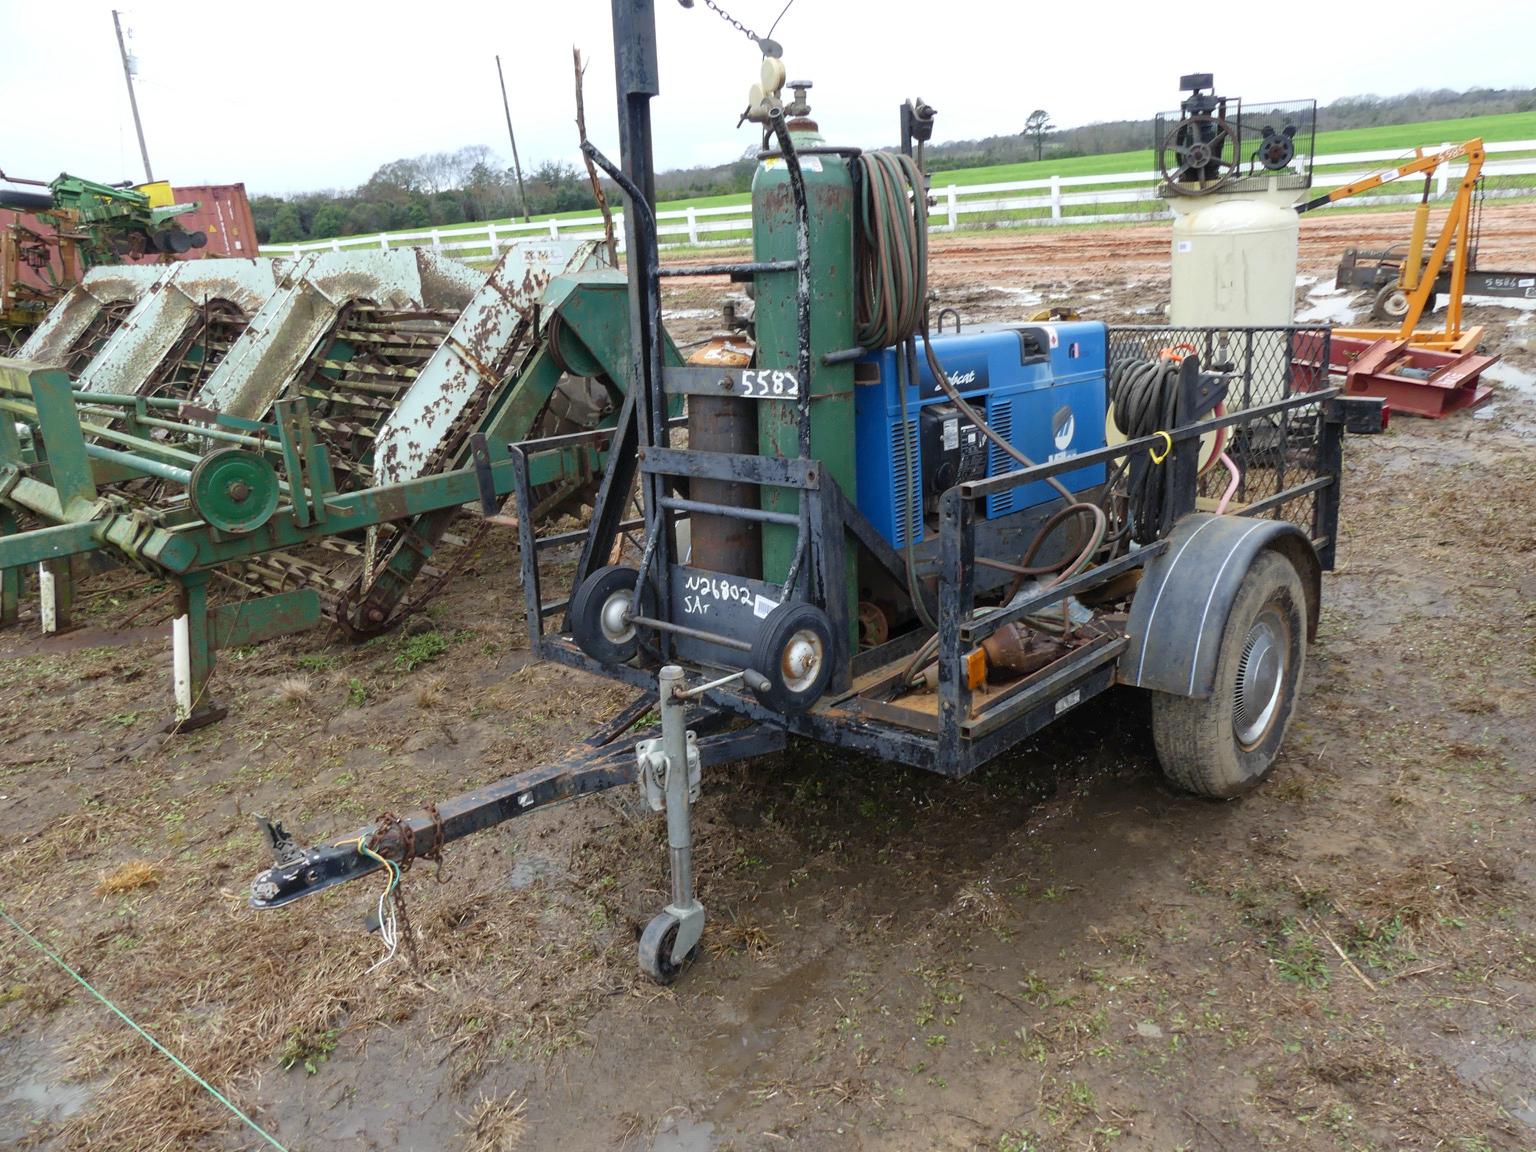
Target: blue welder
{"x": 1042, "y": 387}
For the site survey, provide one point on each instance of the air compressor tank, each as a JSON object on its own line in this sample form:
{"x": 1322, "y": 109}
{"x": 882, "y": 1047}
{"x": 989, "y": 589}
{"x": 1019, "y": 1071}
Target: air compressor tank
{"x": 1234, "y": 258}
{"x": 1232, "y": 176}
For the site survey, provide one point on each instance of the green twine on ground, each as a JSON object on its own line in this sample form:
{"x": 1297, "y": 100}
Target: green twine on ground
{"x": 161, "y": 1048}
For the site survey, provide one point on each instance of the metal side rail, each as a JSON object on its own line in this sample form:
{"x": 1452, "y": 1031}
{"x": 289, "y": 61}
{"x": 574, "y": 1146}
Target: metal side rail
{"x": 599, "y": 764}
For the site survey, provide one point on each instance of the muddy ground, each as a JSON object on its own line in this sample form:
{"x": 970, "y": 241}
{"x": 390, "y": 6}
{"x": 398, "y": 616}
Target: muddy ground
{"x": 1059, "y": 953}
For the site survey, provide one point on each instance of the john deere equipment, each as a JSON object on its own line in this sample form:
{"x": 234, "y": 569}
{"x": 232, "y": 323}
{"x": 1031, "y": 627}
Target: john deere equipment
{"x": 919, "y": 548}
{"x": 311, "y": 466}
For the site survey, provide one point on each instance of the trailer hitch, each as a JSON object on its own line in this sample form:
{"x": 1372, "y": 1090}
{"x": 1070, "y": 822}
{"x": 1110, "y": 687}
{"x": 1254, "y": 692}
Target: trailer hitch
{"x": 599, "y": 764}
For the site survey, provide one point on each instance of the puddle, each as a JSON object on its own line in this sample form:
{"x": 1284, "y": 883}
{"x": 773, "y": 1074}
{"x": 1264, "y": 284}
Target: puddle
{"x": 1329, "y": 306}
{"x": 1508, "y": 376}
{"x": 1517, "y": 303}
{"x": 1503, "y": 1070}
{"x": 529, "y": 869}
{"x": 31, "y": 1096}
{"x": 689, "y": 313}
{"x": 682, "y": 1134}
{"x": 1020, "y": 295}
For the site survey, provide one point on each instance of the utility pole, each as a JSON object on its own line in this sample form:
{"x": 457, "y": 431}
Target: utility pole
{"x": 133, "y": 101}
{"x": 517, "y": 167}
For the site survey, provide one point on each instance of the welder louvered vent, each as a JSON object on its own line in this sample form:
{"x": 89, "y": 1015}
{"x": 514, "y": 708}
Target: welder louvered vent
{"x": 1000, "y": 416}
{"x": 909, "y": 504}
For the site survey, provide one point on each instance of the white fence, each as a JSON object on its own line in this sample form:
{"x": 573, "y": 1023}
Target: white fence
{"x": 1054, "y": 200}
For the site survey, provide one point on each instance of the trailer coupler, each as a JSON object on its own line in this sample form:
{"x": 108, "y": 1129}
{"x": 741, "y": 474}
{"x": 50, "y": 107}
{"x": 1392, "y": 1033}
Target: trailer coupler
{"x": 664, "y": 761}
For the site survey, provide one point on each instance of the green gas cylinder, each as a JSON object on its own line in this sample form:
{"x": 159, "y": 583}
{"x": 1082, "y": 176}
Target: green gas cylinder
{"x": 829, "y": 194}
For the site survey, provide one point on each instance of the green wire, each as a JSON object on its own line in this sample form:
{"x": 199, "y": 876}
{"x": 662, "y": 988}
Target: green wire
{"x": 161, "y": 1048}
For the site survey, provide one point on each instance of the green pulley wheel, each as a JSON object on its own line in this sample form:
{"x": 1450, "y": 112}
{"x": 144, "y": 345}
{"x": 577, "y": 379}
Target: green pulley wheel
{"x": 234, "y": 491}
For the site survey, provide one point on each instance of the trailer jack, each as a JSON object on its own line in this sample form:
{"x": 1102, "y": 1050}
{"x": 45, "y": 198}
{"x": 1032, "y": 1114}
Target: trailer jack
{"x": 666, "y": 762}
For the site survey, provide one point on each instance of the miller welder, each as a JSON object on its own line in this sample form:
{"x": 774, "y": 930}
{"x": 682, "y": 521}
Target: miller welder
{"x": 1042, "y": 387}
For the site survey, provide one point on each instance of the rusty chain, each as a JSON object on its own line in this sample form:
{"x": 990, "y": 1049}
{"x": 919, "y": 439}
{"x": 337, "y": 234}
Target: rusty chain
{"x": 388, "y": 823}
{"x": 731, "y": 20}
{"x": 768, "y": 46}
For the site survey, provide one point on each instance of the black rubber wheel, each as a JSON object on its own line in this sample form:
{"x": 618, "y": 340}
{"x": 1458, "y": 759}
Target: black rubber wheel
{"x": 1391, "y": 303}
{"x": 1222, "y": 747}
{"x": 793, "y": 654}
{"x": 597, "y": 616}
{"x": 655, "y": 950}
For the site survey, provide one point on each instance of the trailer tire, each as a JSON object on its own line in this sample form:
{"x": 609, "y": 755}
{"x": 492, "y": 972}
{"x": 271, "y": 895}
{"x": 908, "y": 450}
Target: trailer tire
{"x": 1223, "y": 746}
{"x": 596, "y": 615}
{"x": 792, "y": 652}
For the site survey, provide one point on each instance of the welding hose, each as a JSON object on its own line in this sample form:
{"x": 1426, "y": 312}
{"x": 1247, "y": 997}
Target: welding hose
{"x": 891, "y": 308}
{"x": 1144, "y": 394}
{"x": 891, "y": 250}
{"x": 891, "y": 262}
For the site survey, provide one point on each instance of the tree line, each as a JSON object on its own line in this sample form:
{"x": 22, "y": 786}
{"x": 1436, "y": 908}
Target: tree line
{"x": 472, "y": 184}
{"x": 1039, "y": 139}
{"x": 423, "y": 192}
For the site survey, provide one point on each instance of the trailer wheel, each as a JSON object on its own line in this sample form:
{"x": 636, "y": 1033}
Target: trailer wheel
{"x": 599, "y": 615}
{"x": 1223, "y": 746}
{"x": 793, "y": 654}
{"x": 656, "y": 949}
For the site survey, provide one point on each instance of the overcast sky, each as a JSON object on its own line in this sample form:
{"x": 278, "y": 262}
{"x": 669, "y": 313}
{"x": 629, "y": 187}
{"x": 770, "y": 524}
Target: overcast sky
{"x": 298, "y": 96}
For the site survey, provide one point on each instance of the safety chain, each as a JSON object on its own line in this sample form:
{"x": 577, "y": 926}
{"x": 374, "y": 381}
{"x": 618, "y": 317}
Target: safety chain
{"x": 390, "y": 822}
{"x": 731, "y": 20}
{"x": 769, "y": 47}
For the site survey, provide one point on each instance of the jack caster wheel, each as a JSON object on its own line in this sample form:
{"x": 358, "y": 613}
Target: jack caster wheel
{"x": 793, "y": 655}
{"x": 599, "y": 615}
{"x": 1222, "y": 747}
{"x": 656, "y": 949}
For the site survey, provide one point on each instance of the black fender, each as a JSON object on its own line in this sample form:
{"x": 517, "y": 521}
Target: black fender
{"x": 1181, "y": 606}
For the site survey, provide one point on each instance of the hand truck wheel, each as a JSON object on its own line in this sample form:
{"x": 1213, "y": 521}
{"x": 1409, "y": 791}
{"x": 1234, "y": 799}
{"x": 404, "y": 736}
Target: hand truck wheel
{"x": 599, "y": 616}
{"x": 793, "y": 655}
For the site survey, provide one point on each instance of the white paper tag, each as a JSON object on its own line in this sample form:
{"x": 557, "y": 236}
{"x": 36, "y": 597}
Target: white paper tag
{"x": 762, "y": 606}
{"x": 951, "y": 435}
{"x": 807, "y": 163}
{"x": 1071, "y": 700}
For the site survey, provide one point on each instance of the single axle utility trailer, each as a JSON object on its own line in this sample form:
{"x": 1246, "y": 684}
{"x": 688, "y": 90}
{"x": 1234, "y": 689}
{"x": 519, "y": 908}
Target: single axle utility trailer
{"x": 922, "y": 555}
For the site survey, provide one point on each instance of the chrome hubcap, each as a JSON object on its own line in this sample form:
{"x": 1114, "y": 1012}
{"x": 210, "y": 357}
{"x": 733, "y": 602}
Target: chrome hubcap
{"x": 1260, "y": 678}
{"x": 615, "y": 618}
{"x": 801, "y": 660}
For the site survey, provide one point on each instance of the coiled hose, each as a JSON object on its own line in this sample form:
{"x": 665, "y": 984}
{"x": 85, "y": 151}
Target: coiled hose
{"x": 891, "y": 250}
{"x": 1145, "y": 397}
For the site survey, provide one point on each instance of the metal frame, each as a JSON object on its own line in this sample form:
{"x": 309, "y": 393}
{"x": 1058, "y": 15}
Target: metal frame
{"x": 966, "y": 730}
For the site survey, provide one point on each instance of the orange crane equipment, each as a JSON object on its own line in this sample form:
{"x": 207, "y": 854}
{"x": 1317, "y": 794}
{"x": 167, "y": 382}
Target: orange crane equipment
{"x": 1417, "y": 276}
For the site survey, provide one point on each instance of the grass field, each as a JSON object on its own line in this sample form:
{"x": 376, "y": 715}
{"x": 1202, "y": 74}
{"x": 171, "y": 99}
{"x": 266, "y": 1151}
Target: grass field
{"x": 1513, "y": 126}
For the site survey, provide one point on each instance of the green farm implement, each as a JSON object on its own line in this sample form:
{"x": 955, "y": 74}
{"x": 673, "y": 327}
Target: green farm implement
{"x": 289, "y": 441}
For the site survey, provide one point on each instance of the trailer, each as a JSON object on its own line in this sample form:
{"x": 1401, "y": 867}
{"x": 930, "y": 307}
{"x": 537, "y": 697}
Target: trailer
{"x": 919, "y": 547}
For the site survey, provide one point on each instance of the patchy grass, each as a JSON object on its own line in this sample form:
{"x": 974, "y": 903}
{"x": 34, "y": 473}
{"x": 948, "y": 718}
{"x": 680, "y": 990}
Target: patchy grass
{"x": 497, "y": 1124}
{"x": 130, "y": 876}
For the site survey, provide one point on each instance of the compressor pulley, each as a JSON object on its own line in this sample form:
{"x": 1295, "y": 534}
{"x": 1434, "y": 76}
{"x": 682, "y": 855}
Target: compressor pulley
{"x": 1199, "y": 155}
